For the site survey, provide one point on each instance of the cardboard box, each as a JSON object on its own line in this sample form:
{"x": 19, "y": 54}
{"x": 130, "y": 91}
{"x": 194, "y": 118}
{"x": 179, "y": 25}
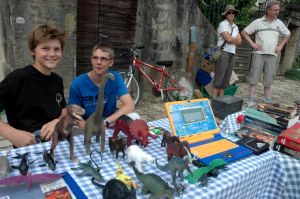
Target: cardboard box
{"x": 207, "y": 66}
{"x": 226, "y": 105}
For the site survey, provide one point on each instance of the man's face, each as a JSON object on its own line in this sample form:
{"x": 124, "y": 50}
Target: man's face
{"x": 101, "y": 61}
{"x": 273, "y": 11}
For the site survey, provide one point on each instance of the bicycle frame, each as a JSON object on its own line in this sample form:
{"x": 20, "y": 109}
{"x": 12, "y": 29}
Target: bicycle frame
{"x": 164, "y": 74}
{"x": 176, "y": 85}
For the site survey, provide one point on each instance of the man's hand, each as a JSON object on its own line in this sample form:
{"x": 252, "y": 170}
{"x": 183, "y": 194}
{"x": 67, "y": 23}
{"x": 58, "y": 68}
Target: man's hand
{"x": 278, "y": 48}
{"x": 23, "y": 138}
{"x": 48, "y": 129}
{"x": 256, "y": 46}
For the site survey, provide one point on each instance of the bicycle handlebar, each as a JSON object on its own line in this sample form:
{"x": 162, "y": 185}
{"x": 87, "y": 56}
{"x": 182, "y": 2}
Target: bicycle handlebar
{"x": 132, "y": 50}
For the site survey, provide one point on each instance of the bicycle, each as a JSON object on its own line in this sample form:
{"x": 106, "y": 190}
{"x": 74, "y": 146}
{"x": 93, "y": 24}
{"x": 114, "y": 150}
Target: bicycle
{"x": 177, "y": 86}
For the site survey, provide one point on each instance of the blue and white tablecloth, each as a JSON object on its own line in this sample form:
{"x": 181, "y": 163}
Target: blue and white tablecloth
{"x": 270, "y": 175}
{"x": 289, "y": 165}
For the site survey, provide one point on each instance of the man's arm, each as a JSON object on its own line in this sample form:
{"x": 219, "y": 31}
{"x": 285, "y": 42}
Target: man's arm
{"x": 282, "y": 43}
{"x": 254, "y": 45}
{"x": 126, "y": 108}
{"x": 17, "y": 137}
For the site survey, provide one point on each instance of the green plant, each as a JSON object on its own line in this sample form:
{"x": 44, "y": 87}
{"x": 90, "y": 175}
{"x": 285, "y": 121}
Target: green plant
{"x": 212, "y": 10}
{"x": 294, "y": 72}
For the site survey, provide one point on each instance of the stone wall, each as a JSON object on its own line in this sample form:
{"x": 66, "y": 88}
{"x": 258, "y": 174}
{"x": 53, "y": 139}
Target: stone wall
{"x": 6, "y": 37}
{"x": 163, "y": 27}
{"x": 17, "y": 20}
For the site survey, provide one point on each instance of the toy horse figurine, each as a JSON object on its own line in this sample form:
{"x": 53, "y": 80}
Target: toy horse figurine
{"x": 117, "y": 145}
{"x": 94, "y": 124}
{"x": 64, "y": 128}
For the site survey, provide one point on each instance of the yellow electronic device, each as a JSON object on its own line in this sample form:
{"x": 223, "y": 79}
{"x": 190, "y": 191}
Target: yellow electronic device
{"x": 194, "y": 121}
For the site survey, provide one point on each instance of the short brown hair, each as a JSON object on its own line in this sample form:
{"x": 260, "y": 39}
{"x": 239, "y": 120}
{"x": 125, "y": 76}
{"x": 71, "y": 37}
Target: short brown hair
{"x": 272, "y": 3}
{"x": 105, "y": 48}
{"x": 44, "y": 33}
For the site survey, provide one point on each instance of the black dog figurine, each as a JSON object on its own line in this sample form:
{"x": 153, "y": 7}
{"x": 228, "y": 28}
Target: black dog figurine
{"x": 116, "y": 189}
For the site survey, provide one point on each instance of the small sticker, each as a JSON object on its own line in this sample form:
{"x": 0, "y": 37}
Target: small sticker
{"x": 20, "y": 20}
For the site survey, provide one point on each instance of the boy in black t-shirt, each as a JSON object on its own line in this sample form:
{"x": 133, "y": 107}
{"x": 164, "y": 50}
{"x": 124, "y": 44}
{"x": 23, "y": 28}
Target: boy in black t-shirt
{"x": 33, "y": 96}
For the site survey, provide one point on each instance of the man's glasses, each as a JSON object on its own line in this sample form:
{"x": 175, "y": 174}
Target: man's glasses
{"x": 102, "y": 59}
{"x": 230, "y": 13}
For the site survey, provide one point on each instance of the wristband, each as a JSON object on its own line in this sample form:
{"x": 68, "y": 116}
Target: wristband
{"x": 106, "y": 123}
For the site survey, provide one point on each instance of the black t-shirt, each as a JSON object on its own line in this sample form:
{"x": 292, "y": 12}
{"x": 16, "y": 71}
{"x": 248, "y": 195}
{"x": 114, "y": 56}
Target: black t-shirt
{"x": 31, "y": 99}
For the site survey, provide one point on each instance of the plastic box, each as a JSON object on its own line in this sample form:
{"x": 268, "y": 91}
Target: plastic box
{"x": 231, "y": 90}
{"x": 226, "y": 105}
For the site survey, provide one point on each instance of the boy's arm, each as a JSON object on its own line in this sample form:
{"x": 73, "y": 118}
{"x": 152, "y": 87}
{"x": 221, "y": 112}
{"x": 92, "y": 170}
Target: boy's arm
{"x": 126, "y": 108}
{"x": 48, "y": 129}
{"x": 17, "y": 137}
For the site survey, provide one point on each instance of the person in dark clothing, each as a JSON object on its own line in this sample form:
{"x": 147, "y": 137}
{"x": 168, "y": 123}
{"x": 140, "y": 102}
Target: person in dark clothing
{"x": 33, "y": 96}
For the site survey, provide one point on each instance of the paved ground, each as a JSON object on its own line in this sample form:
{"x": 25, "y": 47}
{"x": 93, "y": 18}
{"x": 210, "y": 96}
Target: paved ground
{"x": 152, "y": 108}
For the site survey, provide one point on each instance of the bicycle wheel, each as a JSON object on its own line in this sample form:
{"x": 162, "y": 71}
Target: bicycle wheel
{"x": 133, "y": 89}
{"x": 184, "y": 85}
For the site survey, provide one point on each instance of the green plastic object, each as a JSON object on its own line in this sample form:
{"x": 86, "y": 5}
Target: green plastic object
{"x": 198, "y": 173}
{"x": 231, "y": 90}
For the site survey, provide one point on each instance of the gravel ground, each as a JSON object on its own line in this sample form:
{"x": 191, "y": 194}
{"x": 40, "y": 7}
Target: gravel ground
{"x": 284, "y": 91}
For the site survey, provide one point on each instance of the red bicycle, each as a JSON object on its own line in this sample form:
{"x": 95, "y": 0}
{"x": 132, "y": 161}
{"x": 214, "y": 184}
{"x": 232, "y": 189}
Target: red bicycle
{"x": 177, "y": 85}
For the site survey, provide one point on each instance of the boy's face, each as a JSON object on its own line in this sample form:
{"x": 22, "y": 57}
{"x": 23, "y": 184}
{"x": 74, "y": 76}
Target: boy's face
{"x": 101, "y": 61}
{"x": 47, "y": 55}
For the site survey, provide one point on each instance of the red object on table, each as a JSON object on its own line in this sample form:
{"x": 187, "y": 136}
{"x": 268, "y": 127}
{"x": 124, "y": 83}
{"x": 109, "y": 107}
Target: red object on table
{"x": 240, "y": 118}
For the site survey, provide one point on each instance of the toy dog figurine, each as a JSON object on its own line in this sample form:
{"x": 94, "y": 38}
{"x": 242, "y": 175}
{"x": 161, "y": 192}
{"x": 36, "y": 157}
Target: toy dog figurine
{"x": 95, "y": 124}
{"x": 116, "y": 189}
{"x": 138, "y": 156}
{"x": 64, "y": 128}
{"x": 134, "y": 129}
{"x": 117, "y": 145}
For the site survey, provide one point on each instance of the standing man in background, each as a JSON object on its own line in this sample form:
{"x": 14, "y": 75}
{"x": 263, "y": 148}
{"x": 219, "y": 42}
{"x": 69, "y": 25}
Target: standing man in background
{"x": 267, "y": 31}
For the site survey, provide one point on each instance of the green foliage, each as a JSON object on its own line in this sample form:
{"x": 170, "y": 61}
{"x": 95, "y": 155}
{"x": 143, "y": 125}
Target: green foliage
{"x": 294, "y": 72}
{"x": 213, "y": 9}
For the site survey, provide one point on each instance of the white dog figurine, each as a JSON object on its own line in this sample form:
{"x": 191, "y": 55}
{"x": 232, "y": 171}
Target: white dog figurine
{"x": 136, "y": 154}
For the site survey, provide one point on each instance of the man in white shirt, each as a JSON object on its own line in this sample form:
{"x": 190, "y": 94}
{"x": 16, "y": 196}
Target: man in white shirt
{"x": 267, "y": 31}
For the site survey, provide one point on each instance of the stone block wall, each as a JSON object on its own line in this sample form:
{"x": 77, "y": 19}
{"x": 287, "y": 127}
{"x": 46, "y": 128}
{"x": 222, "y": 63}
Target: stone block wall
{"x": 18, "y": 18}
{"x": 163, "y": 27}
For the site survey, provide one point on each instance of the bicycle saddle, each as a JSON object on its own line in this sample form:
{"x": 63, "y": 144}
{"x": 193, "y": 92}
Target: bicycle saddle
{"x": 165, "y": 63}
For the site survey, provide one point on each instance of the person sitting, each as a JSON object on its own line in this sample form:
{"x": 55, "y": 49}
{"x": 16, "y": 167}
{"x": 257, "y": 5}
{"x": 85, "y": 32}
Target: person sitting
{"x": 33, "y": 96}
{"x": 85, "y": 88}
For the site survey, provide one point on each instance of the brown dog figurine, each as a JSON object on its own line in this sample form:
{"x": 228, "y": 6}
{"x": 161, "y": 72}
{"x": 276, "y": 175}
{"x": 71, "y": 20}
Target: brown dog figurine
{"x": 117, "y": 145}
{"x": 64, "y": 128}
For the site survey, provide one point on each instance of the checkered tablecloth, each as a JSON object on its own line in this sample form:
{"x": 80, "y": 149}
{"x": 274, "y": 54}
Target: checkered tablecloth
{"x": 290, "y": 166}
{"x": 253, "y": 177}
